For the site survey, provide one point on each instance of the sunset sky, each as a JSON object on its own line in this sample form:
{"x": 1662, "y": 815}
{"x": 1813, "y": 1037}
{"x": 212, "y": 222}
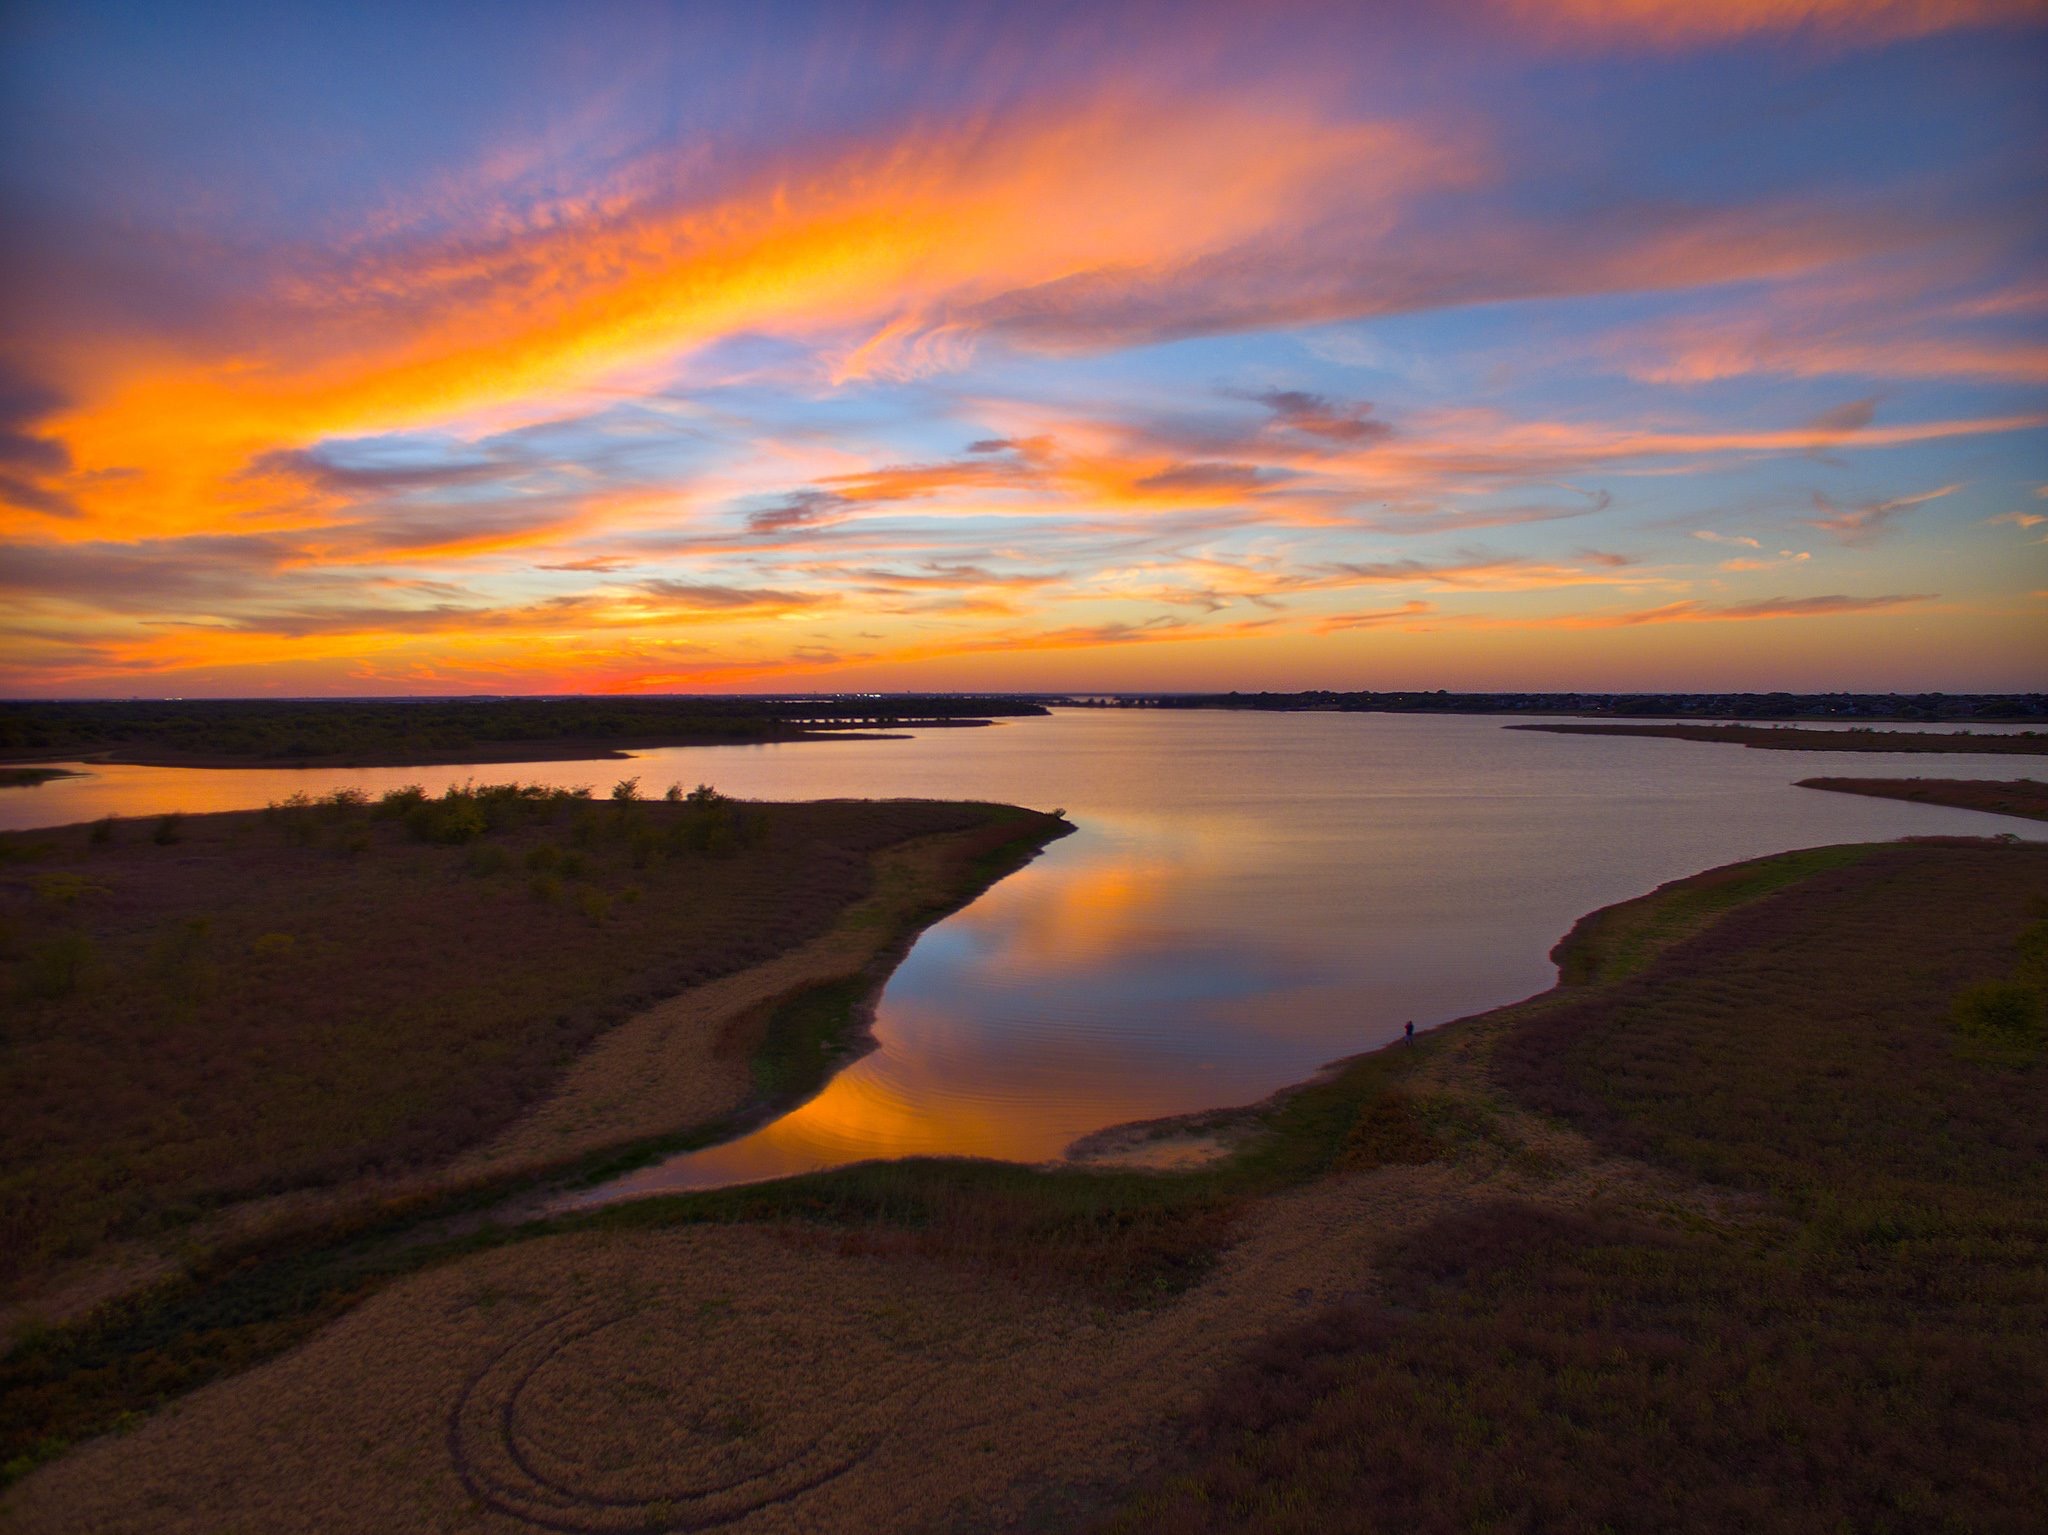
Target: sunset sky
{"x": 587, "y": 347}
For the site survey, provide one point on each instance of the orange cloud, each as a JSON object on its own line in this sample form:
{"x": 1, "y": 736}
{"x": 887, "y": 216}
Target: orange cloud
{"x": 1673, "y": 23}
{"x": 1873, "y": 519}
{"x": 1694, "y": 612}
{"x": 1341, "y": 621}
{"x": 410, "y": 330}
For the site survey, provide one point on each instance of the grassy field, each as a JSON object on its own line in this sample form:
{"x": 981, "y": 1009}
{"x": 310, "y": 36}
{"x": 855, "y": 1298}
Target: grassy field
{"x": 211, "y": 1009}
{"x": 1857, "y": 1344}
{"x": 2017, "y": 796}
{"x": 400, "y": 732}
{"x": 1791, "y": 738}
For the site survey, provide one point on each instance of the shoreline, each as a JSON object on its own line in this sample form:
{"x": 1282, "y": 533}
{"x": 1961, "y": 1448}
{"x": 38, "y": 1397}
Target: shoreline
{"x": 483, "y": 754}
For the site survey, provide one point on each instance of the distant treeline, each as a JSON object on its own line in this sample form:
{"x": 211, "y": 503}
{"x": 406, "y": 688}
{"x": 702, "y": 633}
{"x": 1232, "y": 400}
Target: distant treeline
{"x": 399, "y": 731}
{"x": 1760, "y": 706}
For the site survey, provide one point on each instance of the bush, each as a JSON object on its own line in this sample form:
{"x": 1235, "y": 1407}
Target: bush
{"x": 102, "y": 831}
{"x": 2001, "y": 1010}
{"x": 487, "y": 858}
{"x": 169, "y": 829}
{"x": 179, "y": 959}
{"x": 453, "y": 819}
{"x": 626, "y": 789}
{"x": 57, "y": 967}
{"x": 65, "y": 889}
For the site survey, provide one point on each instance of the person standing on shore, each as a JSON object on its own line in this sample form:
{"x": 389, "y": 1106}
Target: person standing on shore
{"x": 1411, "y": 1031}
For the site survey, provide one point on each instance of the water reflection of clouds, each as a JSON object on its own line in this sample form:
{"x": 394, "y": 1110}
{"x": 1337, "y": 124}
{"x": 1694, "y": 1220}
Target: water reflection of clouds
{"x": 1115, "y": 888}
{"x": 1015, "y": 1027}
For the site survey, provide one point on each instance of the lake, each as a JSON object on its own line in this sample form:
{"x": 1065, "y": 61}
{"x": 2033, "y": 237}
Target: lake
{"x": 1246, "y": 898}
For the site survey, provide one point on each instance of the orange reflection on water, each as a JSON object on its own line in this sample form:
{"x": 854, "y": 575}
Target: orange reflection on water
{"x": 957, "y": 1074}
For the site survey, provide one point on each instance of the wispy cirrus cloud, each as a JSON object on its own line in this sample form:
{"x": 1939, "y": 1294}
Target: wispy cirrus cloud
{"x": 1698, "y": 611}
{"x": 1868, "y": 521}
{"x": 1336, "y": 623}
{"x": 1680, "y": 23}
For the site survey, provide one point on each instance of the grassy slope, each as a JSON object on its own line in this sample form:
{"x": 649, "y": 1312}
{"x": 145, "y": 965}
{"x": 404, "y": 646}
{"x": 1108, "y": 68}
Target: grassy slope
{"x": 1861, "y": 1349}
{"x": 2018, "y": 796}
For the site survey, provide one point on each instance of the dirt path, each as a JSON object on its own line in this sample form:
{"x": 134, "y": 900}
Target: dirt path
{"x": 685, "y": 1061}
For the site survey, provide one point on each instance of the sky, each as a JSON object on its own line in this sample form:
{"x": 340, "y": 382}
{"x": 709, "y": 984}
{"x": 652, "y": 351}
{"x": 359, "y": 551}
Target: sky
{"x": 1490, "y": 344}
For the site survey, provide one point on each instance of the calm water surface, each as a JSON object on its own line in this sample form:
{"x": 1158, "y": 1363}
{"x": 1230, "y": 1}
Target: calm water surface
{"x": 1246, "y": 898}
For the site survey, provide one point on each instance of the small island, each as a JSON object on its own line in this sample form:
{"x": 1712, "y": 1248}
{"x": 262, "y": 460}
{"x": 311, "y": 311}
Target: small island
{"x": 1791, "y": 738}
{"x": 418, "y": 732}
{"x": 2017, "y": 796}
{"x": 29, "y": 777}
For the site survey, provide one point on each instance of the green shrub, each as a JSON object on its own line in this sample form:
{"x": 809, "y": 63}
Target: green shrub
{"x": 626, "y": 789}
{"x": 452, "y": 820}
{"x": 58, "y": 966}
{"x": 2033, "y": 947}
{"x": 65, "y": 889}
{"x": 169, "y": 829}
{"x": 102, "y": 831}
{"x": 2008, "y": 1010}
{"x": 179, "y": 958}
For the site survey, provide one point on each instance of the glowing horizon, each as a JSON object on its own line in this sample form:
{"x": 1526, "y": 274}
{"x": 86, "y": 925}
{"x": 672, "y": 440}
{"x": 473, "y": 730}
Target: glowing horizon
{"x": 1521, "y": 344}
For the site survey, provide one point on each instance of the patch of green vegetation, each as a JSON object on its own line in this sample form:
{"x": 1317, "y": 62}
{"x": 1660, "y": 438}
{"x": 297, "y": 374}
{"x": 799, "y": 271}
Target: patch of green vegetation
{"x": 1124, "y": 1236}
{"x": 1618, "y": 941}
{"x": 807, "y": 1036}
